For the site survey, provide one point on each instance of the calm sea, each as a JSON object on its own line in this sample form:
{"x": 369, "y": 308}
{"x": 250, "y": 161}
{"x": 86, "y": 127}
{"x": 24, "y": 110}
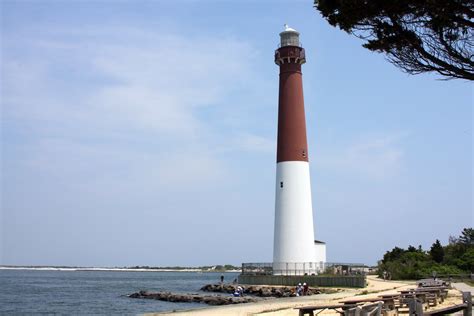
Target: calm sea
{"x": 95, "y": 292}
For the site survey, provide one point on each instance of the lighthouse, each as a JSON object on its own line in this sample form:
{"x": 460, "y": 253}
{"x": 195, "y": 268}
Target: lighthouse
{"x": 295, "y": 251}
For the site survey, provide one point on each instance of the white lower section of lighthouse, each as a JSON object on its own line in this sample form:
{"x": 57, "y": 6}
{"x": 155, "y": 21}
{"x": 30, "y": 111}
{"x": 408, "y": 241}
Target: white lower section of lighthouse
{"x": 295, "y": 249}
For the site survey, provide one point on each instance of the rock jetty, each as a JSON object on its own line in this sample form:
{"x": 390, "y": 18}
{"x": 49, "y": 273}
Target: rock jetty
{"x": 258, "y": 290}
{"x": 253, "y": 293}
{"x": 193, "y": 298}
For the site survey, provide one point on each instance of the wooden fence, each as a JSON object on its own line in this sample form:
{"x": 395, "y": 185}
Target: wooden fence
{"x": 312, "y": 280}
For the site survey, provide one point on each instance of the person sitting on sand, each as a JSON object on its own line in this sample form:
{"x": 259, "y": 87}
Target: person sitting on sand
{"x": 239, "y": 291}
{"x": 305, "y": 289}
{"x": 299, "y": 289}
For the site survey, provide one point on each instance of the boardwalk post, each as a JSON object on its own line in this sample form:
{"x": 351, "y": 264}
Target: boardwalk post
{"x": 416, "y": 307}
{"x": 467, "y": 299}
{"x": 374, "y": 309}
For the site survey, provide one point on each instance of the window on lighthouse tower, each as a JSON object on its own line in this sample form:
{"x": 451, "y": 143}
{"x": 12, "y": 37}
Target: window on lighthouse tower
{"x": 281, "y": 184}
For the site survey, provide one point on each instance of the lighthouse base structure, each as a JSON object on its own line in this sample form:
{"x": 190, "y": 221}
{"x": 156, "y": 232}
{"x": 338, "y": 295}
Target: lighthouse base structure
{"x": 295, "y": 251}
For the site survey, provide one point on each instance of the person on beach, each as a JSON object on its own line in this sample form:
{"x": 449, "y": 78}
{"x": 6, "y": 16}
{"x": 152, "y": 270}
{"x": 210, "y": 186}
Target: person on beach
{"x": 222, "y": 278}
{"x": 239, "y": 291}
{"x": 299, "y": 289}
{"x": 305, "y": 289}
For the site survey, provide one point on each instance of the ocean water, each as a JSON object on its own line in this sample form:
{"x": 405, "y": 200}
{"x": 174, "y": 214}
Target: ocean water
{"x": 95, "y": 292}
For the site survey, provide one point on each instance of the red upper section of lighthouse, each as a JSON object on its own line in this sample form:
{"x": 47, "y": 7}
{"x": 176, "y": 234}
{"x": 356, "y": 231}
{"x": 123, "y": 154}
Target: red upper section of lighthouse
{"x": 292, "y": 143}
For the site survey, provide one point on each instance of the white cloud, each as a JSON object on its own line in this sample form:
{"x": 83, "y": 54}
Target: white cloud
{"x": 78, "y": 88}
{"x": 144, "y": 80}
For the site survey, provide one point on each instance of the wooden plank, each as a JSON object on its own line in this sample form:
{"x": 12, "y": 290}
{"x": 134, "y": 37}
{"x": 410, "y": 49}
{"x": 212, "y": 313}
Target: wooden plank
{"x": 447, "y": 310}
{"x": 362, "y": 300}
{"x": 325, "y": 306}
{"x": 310, "y": 309}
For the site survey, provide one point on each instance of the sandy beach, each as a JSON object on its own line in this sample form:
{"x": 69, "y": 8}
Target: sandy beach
{"x": 286, "y": 307}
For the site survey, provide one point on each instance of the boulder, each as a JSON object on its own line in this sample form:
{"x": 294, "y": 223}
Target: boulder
{"x": 257, "y": 290}
{"x": 193, "y": 298}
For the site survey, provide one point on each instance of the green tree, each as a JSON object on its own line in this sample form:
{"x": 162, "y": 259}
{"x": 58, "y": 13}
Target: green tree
{"x": 230, "y": 267}
{"x": 412, "y": 249}
{"x": 437, "y": 252}
{"x": 416, "y": 36}
{"x": 467, "y": 260}
{"x": 455, "y": 258}
{"x": 467, "y": 236}
{"x": 395, "y": 254}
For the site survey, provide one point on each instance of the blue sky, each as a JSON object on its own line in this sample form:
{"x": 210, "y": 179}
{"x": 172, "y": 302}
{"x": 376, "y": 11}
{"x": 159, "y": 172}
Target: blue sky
{"x": 144, "y": 133}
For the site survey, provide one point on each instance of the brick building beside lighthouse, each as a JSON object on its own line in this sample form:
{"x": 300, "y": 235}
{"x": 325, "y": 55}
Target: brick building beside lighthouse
{"x": 294, "y": 243}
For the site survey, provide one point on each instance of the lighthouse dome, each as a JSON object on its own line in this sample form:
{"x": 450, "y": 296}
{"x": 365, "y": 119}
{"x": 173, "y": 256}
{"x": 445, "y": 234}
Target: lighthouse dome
{"x": 289, "y": 37}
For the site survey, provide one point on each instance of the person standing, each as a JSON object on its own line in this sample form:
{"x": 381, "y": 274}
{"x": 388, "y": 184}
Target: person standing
{"x": 222, "y": 278}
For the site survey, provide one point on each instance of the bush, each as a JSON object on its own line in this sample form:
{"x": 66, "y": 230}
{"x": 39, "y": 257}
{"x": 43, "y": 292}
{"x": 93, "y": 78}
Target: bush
{"x": 414, "y": 263}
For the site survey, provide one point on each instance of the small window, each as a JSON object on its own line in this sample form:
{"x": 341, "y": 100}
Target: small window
{"x": 304, "y": 153}
{"x": 281, "y": 184}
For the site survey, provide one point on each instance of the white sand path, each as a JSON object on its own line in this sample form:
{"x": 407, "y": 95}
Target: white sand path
{"x": 463, "y": 287}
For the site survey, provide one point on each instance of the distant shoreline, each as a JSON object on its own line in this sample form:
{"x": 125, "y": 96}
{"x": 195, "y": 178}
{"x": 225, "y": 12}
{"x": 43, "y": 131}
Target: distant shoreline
{"x": 114, "y": 269}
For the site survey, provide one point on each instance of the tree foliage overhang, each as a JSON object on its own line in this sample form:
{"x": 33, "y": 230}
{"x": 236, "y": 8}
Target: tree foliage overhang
{"x": 417, "y": 35}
